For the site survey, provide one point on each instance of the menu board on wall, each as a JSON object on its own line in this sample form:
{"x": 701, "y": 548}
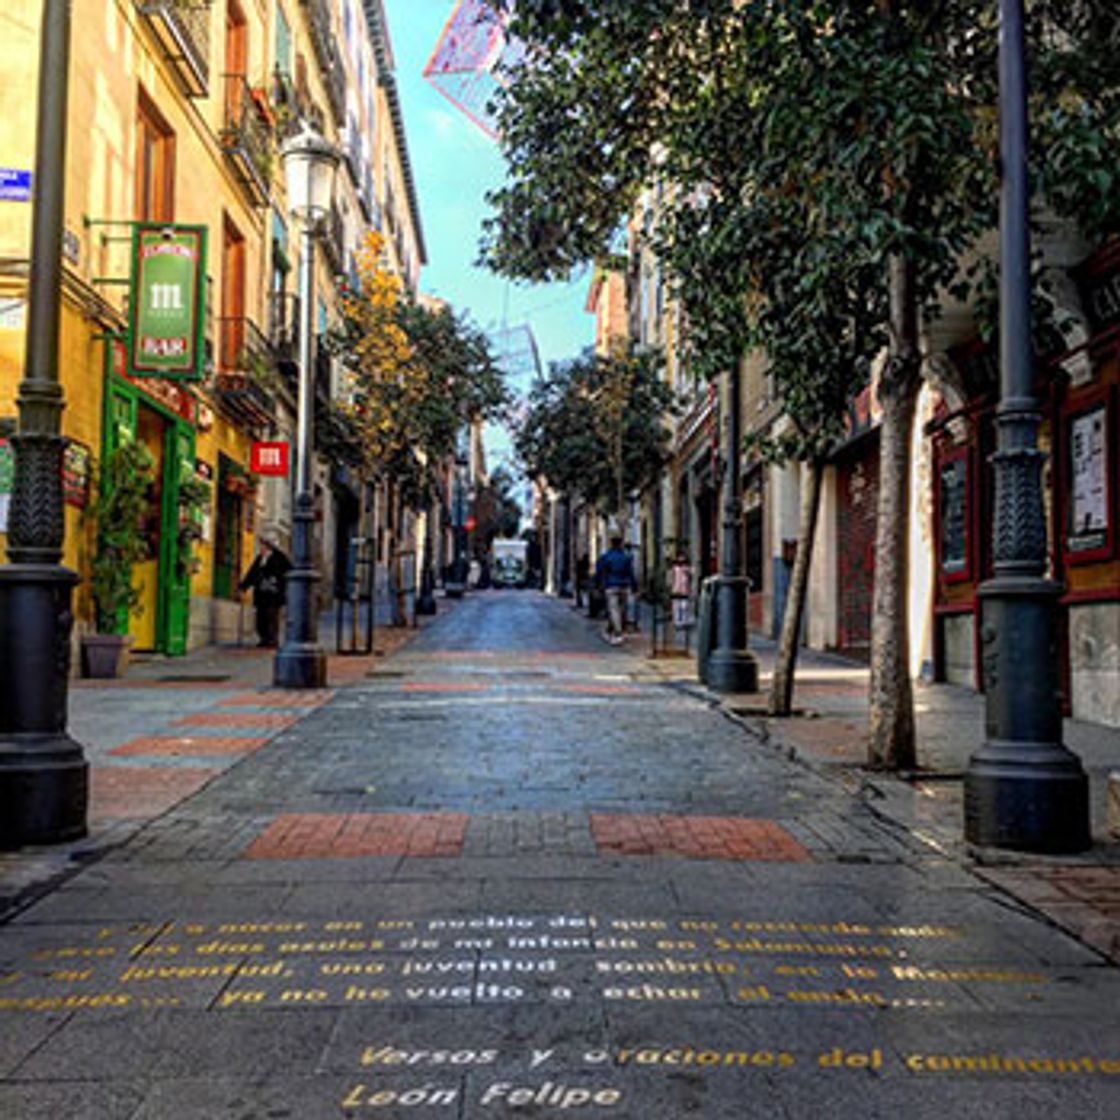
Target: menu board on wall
{"x": 953, "y": 506}
{"x": 1088, "y": 498}
{"x": 75, "y": 474}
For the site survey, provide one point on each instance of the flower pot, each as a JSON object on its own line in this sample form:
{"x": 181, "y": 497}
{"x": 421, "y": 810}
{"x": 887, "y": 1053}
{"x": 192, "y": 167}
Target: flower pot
{"x": 104, "y": 656}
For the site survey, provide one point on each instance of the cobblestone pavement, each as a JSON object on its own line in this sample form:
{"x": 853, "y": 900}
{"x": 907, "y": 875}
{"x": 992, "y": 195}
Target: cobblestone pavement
{"x": 511, "y": 871}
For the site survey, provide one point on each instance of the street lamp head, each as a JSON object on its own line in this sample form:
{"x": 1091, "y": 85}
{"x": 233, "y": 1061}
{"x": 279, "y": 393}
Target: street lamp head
{"x": 309, "y": 162}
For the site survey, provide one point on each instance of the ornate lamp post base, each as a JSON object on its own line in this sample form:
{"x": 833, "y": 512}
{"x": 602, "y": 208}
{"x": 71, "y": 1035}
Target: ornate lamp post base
{"x": 300, "y": 665}
{"x": 1023, "y": 788}
{"x": 301, "y": 662}
{"x": 731, "y": 668}
{"x": 44, "y": 778}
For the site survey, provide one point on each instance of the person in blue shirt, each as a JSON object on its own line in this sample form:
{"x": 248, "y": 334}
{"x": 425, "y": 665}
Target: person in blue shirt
{"x": 614, "y": 573}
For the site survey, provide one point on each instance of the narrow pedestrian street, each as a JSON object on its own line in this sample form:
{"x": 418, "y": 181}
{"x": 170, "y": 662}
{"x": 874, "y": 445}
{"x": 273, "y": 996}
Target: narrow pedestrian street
{"x": 511, "y": 871}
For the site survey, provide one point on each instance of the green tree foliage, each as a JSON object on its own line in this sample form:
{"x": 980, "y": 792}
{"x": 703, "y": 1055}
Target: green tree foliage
{"x": 826, "y": 168}
{"x": 119, "y": 545}
{"x": 417, "y": 373}
{"x": 596, "y": 427}
{"x": 497, "y": 511}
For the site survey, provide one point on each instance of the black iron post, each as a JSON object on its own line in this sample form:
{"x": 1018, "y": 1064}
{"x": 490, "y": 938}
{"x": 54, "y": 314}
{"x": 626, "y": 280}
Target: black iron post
{"x": 457, "y": 584}
{"x": 564, "y": 571}
{"x": 301, "y": 661}
{"x": 731, "y": 666}
{"x": 1023, "y": 789}
{"x": 426, "y": 603}
{"x": 44, "y": 777}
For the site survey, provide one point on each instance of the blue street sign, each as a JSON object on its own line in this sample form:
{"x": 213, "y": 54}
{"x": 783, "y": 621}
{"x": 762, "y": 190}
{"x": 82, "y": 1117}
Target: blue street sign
{"x": 15, "y": 185}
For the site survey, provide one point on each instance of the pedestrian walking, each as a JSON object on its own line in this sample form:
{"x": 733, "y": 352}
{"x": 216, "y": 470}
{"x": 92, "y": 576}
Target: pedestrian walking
{"x": 614, "y": 575}
{"x": 266, "y": 578}
{"x": 680, "y": 594}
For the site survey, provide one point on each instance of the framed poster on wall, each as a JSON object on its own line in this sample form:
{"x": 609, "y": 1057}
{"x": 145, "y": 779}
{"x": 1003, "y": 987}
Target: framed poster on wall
{"x": 1089, "y": 489}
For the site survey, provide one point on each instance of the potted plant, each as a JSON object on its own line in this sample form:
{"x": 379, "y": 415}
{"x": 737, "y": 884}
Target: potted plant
{"x": 118, "y": 546}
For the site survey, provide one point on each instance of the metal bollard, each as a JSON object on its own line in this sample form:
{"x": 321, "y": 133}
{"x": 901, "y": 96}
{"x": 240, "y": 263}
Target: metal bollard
{"x": 705, "y": 627}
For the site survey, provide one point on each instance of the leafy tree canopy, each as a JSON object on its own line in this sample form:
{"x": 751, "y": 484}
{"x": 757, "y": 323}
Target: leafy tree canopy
{"x": 596, "y": 427}
{"x": 798, "y": 144}
{"x": 417, "y": 373}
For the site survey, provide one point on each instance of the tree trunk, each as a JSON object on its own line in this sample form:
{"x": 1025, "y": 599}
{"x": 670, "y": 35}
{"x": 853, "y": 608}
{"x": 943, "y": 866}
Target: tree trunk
{"x": 891, "y": 743}
{"x": 781, "y": 687}
{"x": 400, "y": 614}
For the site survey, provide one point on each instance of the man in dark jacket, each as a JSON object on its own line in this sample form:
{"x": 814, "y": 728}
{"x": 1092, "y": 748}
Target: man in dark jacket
{"x": 614, "y": 573}
{"x": 266, "y": 577}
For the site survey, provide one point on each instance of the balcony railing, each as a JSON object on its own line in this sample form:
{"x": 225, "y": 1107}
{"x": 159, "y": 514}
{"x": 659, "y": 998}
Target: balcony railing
{"x": 283, "y": 325}
{"x": 324, "y": 370}
{"x": 244, "y": 357}
{"x": 335, "y": 81}
{"x": 324, "y": 44}
{"x": 183, "y": 30}
{"x": 288, "y": 105}
{"x": 334, "y": 239}
{"x": 247, "y": 138}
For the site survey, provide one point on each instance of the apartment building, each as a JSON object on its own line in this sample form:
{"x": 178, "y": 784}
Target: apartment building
{"x": 176, "y": 114}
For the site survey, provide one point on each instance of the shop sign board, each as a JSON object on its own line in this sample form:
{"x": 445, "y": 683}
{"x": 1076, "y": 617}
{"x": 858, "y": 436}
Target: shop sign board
{"x": 270, "y": 457}
{"x": 76, "y": 461}
{"x": 166, "y": 314}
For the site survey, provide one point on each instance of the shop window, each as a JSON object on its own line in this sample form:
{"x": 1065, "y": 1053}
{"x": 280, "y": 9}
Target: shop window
{"x": 155, "y": 164}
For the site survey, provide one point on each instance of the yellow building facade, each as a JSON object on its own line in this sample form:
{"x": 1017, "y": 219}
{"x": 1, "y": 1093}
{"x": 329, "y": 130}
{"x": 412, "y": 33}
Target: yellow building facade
{"x": 175, "y": 116}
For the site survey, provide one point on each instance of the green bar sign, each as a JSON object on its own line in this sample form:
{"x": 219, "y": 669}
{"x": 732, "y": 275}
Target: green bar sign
{"x": 166, "y": 320}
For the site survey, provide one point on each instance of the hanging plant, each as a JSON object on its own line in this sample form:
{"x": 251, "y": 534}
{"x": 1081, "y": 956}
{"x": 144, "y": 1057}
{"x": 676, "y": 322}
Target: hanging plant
{"x": 194, "y": 497}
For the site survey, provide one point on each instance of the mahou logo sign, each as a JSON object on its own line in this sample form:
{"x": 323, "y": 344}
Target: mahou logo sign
{"x": 166, "y": 319}
{"x": 269, "y": 458}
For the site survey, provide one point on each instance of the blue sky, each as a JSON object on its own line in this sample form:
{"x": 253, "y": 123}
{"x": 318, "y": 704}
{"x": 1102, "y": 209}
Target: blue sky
{"x": 454, "y": 163}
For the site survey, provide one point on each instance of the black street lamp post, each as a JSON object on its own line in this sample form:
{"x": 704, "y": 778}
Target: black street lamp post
{"x": 731, "y": 666}
{"x": 309, "y": 166}
{"x": 457, "y": 583}
{"x": 43, "y": 774}
{"x": 1023, "y": 789}
{"x": 426, "y": 603}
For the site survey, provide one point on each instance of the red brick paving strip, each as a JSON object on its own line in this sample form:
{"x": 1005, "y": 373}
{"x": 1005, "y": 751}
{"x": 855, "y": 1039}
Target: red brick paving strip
{"x": 184, "y": 745}
{"x": 730, "y": 838}
{"x": 275, "y": 720}
{"x": 279, "y": 698}
{"x": 1083, "y": 900}
{"x": 343, "y": 835}
{"x": 134, "y": 792}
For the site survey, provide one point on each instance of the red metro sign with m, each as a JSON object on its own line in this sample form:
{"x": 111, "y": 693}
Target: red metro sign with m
{"x": 269, "y": 458}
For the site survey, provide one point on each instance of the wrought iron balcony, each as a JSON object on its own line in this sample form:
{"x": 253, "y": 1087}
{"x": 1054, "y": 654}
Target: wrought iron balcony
{"x": 324, "y": 370}
{"x": 247, "y": 138}
{"x": 289, "y": 106}
{"x": 244, "y": 359}
{"x": 182, "y": 28}
{"x": 334, "y": 239}
{"x": 283, "y": 325}
{"x": 325, "y": 46}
